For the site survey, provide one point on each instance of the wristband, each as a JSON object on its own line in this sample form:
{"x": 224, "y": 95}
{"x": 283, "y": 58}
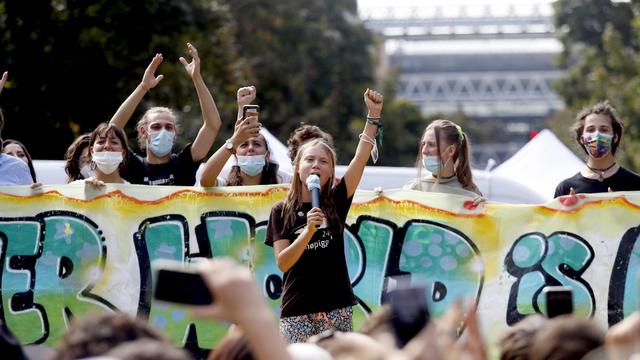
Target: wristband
{"x": 377, "y": 121}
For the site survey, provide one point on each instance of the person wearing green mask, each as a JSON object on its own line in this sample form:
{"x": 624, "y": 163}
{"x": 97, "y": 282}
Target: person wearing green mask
{"x": 158, "y": 128}
{"x": 253, "y": 165}
{"x": 444, "y": 152}
{"x": 598, "y": 130}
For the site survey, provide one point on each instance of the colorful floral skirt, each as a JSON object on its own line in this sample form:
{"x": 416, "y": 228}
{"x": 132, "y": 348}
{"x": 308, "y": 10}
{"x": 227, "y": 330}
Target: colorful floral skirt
{"x": 300, "y": 328}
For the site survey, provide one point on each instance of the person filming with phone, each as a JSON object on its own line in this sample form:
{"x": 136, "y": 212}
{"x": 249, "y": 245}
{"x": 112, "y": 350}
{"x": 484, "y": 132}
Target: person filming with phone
{"x": 249, "y": 147}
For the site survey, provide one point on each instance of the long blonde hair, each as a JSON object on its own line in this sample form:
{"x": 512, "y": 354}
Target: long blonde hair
{"x": 294, "y": 198}
{"x": 451, "y": 134}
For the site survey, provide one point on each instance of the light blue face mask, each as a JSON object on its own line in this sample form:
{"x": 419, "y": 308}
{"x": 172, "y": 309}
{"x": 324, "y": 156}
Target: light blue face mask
{"x": 431, "y": 163}
{"x": 161, "y": 142}
{"x": 251, "y": 165}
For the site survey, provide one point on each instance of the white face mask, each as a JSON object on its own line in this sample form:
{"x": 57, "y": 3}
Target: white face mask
{"x": 86, "y": 171}
{"x": 107, "y": 161}
{"x": 251, "y": 165}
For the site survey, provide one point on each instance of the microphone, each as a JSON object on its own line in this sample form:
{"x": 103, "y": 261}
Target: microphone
{"x": 313, "y": 184}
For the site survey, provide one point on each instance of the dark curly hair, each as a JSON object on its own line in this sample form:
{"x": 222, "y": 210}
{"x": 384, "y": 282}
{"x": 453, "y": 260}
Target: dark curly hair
{"x": 305, "y": 133}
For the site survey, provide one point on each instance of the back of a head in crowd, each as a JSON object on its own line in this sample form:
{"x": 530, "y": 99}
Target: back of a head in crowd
{"x": 148, "y": 349}
{"x": 601, "y": 108}
{"x": 95, "y": 335}
{"x": 449, "y": 133}
{"x": 22, "y": 154}
{"x": 566, "y": 337}
{"x": 351, "y": 345}
{"x": 10, "y": 347}
{"x": 515, "y": 343}
{"x": 379, "y": 322}
{"x": 305, "y": 133}
{"x": 233, "y": 346}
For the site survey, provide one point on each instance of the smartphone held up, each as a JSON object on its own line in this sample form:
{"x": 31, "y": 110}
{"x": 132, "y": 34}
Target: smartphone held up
{"x": 250, "y": 110}
{"x": 409, "y": 313}
{"x": 559, "y": 300}
{"x": 176, "y": 284}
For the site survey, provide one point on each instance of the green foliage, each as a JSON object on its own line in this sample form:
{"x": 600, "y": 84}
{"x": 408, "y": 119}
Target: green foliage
{"x": 311, "y": 61}
{"x": 71, "y": 63}
{"x": 583, "y": 22}
{"x": 403, "y": 126}
{"x": 603, "y": 36}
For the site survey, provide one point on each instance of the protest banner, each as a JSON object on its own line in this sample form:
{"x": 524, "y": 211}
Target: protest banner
{"x": 71, "y": 250}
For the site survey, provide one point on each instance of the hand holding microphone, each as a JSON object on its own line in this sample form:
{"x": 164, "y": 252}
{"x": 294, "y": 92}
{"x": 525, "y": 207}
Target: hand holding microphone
{"x": 313, "y": 184}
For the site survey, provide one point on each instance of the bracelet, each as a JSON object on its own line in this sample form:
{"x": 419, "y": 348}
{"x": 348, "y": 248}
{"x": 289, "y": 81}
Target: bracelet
{"x": 374, "y": 121}
{"x": 374, "y": 152}
{"x": 377, "y": 121}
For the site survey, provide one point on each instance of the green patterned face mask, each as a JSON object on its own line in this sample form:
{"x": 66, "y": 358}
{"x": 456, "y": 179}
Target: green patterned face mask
{"x": 596, "y": 143}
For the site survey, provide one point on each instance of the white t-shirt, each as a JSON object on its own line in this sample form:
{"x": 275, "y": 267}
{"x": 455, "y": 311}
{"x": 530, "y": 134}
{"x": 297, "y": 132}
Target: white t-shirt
{"x": 82, "y": 181}
{"x": 283, "y": 178}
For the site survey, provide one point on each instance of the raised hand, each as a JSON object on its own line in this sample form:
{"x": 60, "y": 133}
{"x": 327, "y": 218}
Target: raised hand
{"x": 246, "y": 95}
{"x": 374, "y": 101}
{"x": 149, "y": 79}
{"x": 3, "y": 80}
{"x": 193, "y": 67}
{"x": 244, "y": 129}
{"x": 235, "y": 292}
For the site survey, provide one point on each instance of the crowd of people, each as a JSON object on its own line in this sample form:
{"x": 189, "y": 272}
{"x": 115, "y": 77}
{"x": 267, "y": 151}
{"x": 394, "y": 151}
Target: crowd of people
{"x": 307, "y": 238}
{"x": 255, "y": 333}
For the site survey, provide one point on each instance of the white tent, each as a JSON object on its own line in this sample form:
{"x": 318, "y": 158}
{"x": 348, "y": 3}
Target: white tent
{"x": 541, "y": 164}
{"x": 277, "y": 151}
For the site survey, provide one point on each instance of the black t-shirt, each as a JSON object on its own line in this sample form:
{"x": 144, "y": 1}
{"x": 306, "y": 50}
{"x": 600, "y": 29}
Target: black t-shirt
{"x": 622, "y": 180}
{"x": 180, "y": 170}
{"x": 319, "y": 280}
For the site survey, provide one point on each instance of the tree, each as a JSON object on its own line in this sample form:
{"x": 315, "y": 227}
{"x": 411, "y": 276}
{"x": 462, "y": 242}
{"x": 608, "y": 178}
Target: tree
{"x": 311, "y": 61}
{"x": 601, "y": 51}
{"x": 72, "y": 63}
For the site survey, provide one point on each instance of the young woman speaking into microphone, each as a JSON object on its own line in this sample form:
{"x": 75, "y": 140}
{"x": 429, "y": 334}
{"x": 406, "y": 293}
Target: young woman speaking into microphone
{"x": 317, "y": 291}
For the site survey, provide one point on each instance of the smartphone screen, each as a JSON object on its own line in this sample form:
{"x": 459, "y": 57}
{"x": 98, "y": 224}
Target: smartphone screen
{"x": 250, "y": 110}
{"x": 409, "y": 313}
{"x": 181, "y": 287}
{"x": 559, "y": 300}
